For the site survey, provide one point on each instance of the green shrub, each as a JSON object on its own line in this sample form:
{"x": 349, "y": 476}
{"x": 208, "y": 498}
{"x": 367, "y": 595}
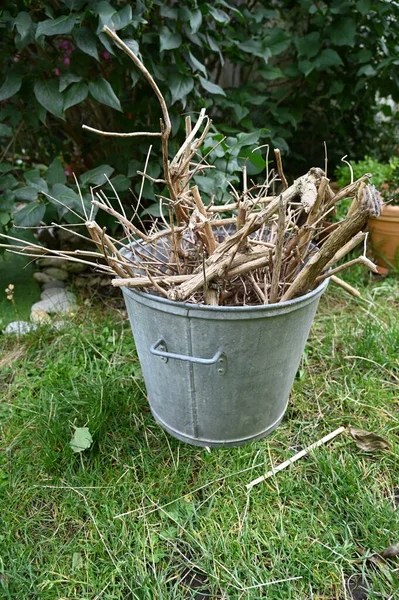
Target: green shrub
{"x": 385, "y": 176}
{"x": 287, "y": 73}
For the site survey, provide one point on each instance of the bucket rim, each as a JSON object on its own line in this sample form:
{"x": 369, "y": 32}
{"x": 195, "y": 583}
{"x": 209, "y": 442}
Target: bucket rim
{"x": 242, "y": 309}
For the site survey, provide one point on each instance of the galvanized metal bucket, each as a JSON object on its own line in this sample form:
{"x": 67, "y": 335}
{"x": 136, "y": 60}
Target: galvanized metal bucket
{"x": 219, "y": 376}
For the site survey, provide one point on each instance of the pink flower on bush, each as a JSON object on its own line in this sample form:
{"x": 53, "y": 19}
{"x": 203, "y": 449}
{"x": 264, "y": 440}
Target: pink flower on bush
{"x": 57, "y": 72}
{"x": 106, "y": 55}
{"x": 66, "y": 46}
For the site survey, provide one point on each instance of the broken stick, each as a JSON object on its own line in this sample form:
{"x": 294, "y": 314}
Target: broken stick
{"x": 296, "y": 457}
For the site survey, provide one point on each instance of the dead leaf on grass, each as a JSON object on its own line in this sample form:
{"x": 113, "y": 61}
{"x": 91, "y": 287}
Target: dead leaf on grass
{"x": 368, "y": 441}
{"x": 379, "y": 562}
{"x": 391, "y": 552}
{"x": 378, "y": 559}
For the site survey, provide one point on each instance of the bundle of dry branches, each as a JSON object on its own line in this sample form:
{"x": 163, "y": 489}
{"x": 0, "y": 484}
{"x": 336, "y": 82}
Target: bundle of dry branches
{"x": 259, "y": 248}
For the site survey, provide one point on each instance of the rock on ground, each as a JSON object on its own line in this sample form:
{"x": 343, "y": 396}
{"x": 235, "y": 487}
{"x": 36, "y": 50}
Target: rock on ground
{"x": 46, "y": 294}
{"x": 50, "y": 261}
{"x": 39, "y": 316}
{"x": 55, "y": 273}
{"x": 42, "y": 277}
{"x": 54, "y": 284}
{"x": 75, "y": 267}
{"x": 61, "y": 302}
{"x": 19, "y": 328}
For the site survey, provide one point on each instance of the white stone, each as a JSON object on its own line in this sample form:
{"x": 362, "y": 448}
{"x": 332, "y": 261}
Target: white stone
{"x": 46, "y": 294}
{"x": 42, "y": 277}
{"x": 74, "y": 267}
{"x": 50, "y": 261}
{"x": 19, "y": 328}
{"x": 54, "y": 284}
{"x": 63, "y": 302}
{"x": 39, "y": 316}
{"x": 55, "y": 273}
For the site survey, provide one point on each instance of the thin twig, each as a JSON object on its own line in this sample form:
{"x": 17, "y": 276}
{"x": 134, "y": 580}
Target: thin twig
{"x": 361, "y": 260}
{"x": 278, "y": 252}
{"x": 345, "y": 286}
{"x": 129, "y": 226}
{"x": 296, "y": 457}
{"x": 122, "y": 135}
{"x": 117, "y": 40}
{"x": 144, "y": 173}
{"x": 280, "y": 168}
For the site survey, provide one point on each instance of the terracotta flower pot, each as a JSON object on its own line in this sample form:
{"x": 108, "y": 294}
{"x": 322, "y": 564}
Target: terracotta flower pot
{"x": 384, "y": 233}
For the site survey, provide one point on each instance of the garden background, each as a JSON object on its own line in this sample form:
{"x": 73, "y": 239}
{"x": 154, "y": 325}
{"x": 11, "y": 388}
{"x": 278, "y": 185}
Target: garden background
{"x": 290, "y": 74}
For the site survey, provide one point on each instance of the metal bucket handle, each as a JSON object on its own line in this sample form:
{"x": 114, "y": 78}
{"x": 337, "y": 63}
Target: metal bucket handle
{"x": 159, "y": 348}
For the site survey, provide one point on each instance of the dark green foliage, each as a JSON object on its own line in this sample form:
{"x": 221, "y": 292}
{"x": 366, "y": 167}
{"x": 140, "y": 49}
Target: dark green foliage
{"x": 296, "y": 73}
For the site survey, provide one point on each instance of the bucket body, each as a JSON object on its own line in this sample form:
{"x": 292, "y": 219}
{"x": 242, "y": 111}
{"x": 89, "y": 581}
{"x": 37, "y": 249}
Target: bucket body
{"x": 384, "y": 233}
{"x": 219, "y": 376}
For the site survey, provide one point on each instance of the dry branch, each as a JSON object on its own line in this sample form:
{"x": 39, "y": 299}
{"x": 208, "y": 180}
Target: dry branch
{"x": 362, "y": 260}
{"x": 355, "y": 241}
{"x": 209, "y": 239}
{"x": 349, "y": 227}
{"x": 280, "y": 170}
{"x": 278, "y": 252}
{"x": 241, "y": 265}
{"x": 122, "y": 135}
{"x": 261, "y": 246}
{"x": 345, "y": 286}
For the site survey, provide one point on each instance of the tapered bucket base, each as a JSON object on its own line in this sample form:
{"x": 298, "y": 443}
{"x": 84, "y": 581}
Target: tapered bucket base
{"x": 219, "y": 376}
{"x": 216, "y": 443}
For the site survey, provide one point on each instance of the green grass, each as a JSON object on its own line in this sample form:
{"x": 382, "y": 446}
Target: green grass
{"x": 14, "y": 269}
{"x": 318, "y": 521}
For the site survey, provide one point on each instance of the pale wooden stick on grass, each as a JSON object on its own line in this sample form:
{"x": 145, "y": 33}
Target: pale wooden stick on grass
{"x": 296, "y": 457}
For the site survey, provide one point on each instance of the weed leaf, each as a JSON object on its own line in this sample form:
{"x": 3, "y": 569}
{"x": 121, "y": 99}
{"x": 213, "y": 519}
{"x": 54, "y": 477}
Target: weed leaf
{"x": 81, "y": 440}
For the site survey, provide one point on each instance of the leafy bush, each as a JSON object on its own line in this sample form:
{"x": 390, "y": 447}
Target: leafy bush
{"x": 290, "y": 73}
{"x": 385, "y": 175}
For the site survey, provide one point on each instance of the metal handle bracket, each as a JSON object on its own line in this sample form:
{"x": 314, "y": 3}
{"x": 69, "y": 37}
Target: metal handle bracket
{"x": 160, "y": 349}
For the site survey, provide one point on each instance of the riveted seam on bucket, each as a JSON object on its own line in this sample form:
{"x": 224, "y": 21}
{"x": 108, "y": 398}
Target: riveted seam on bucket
{"x": 192, "y": 395}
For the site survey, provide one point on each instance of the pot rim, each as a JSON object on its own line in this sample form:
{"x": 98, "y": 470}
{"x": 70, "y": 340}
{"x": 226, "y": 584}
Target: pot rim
{"x": 258, "y": 307}
{"x": 389, "y": 213}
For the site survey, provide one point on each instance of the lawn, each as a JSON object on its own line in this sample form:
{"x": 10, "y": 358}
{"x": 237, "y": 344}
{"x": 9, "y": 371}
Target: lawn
{"x": 190, "y": 521}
